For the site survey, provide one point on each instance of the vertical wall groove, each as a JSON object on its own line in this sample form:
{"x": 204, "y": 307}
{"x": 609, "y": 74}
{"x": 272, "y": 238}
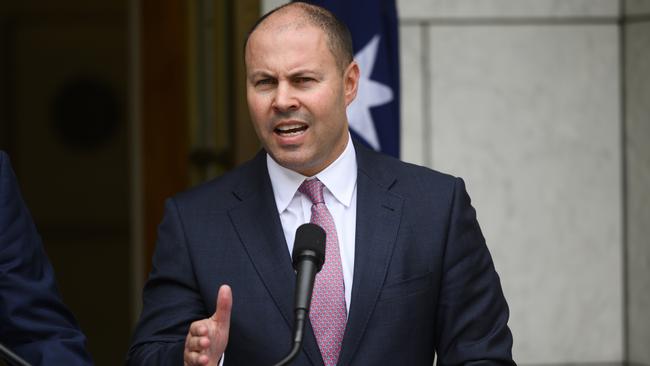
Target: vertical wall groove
{"x": 624, "y": 196}
{"x": 427, "y": 118}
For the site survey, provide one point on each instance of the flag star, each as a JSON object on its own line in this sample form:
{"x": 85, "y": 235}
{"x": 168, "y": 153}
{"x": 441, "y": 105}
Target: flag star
{"x": 370, "y": 94}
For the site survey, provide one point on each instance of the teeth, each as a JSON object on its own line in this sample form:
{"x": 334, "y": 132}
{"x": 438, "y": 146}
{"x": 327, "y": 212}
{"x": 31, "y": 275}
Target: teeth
{"x": 287, "y": 128}
{"x": 292, "y": 133}
{"x": 291, "y": 130}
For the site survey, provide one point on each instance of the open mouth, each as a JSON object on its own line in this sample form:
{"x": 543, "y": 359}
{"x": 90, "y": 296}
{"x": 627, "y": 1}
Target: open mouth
{"x": 291, "y": 129}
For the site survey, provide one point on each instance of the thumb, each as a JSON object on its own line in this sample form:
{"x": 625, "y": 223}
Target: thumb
{"x": 224, "y": 306}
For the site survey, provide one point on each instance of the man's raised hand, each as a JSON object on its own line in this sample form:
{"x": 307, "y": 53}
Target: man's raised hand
{"x": 207, "y": 339}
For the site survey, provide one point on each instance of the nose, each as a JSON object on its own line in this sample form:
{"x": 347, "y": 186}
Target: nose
{"x": 285, "y": 99}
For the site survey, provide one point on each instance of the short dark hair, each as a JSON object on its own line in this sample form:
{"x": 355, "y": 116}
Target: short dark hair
{"x": 339, "y": 39}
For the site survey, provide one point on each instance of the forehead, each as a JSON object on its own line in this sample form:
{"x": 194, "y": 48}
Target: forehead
{"x": 287, "y": 39}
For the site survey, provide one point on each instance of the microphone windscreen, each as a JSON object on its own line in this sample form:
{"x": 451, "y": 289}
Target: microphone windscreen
{"x": 309, "y": 237}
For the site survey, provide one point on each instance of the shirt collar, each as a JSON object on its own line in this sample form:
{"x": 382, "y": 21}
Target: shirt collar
{"x": 340, "y": 178}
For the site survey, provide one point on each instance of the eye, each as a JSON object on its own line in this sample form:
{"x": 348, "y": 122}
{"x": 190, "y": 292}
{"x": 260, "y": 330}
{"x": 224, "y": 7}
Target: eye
{"x": 265, "y": 82}
{"x": 303, "y": 80}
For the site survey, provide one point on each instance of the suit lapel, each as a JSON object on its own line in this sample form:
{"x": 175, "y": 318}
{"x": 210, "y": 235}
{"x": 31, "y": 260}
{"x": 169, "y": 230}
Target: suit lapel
{"x": 258, "y": 225}
{"x": 378, "y": 217}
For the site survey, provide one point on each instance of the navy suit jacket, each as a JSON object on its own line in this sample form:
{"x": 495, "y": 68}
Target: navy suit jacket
{"x": 424, "y": 281}
{"x": 34, "y": 322}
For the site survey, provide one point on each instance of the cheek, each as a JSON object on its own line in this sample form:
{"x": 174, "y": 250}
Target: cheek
{"x": 258, "y": 121}
{"x": 258, "y": 109}
{"x": 257, "y": 101}
{"x": 323, "y": 103}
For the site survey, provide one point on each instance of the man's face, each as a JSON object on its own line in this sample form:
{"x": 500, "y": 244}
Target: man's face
{"x": 297, "y": 96}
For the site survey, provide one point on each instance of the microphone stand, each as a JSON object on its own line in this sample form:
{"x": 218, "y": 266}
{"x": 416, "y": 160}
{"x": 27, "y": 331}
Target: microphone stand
{"x": 298, "y": 329}
{"x": 11, "y": 357}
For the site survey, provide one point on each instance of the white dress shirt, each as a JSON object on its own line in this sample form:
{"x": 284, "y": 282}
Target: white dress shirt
{"x": 340, "y": 194}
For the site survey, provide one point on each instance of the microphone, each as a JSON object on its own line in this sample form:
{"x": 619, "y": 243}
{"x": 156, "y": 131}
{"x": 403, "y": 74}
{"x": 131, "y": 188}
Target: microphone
{"x": 308, "y": 257}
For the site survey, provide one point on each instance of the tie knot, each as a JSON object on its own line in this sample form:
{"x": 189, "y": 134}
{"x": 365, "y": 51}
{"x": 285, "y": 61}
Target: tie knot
{"x": 313, "y": 188}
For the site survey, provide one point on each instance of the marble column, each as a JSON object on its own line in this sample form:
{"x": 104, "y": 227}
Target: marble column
{"x": 522, "y": 99}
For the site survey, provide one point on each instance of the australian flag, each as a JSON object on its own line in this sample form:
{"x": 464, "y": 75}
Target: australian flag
{"x": 374, "y": 115}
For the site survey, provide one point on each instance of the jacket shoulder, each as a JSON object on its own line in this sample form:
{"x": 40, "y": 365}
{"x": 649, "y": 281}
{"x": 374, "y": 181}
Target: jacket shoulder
{"x": 223, "y": 191}
{"x": 402, "y": 176}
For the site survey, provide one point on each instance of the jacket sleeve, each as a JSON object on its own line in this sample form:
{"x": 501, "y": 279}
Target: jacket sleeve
{"x": 472, "y": 312}
{"x": 171, "y": 299}
{"x": 36, "y": 324}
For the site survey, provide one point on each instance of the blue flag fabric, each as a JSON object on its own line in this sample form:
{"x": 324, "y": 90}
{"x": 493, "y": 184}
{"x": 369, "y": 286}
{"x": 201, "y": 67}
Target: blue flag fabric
{"x": 374, "y": 115}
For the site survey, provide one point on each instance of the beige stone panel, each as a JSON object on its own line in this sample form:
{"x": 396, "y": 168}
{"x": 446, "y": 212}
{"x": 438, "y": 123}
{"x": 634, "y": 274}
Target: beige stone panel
{"x": 413, "y": 140}
{"x": 441, "y": 9}
{"x": 637, "y": 7}
{"x": 530, "y": 116}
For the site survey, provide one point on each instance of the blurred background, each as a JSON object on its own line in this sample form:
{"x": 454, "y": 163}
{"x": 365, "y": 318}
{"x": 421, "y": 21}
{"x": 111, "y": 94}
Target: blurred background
{"x": 543, "y": 107}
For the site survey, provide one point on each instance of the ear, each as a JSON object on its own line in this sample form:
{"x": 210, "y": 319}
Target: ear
{"x": 351, "y": 82}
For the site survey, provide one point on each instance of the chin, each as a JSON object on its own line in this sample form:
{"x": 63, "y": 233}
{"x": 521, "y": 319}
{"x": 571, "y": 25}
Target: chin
{"x": 294, "y": 165}
{"x": 298, "y": 160}
{"x": 303, "y": 167}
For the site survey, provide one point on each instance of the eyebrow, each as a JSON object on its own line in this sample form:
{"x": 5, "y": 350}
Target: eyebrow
{"x": 259, "y": 75}
{"x": 299, "y": 72}
{"x": 293, "y": 74}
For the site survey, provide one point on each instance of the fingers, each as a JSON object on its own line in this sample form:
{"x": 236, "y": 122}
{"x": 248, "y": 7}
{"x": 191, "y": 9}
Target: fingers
{"x": 224, "y": 308}
{"x": 198, "y": 328}
{"x": 195, "y": 359}
{"x": 207, "y": 338}
{"x": 197, "y": 343}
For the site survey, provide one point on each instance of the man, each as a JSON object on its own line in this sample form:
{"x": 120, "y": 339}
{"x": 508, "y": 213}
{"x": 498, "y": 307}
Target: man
{"x": 34, "y": 322}
{"x": 407, "y": 272}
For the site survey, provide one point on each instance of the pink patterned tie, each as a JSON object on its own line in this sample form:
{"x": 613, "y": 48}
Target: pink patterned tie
{"x": 328, "y": 314}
